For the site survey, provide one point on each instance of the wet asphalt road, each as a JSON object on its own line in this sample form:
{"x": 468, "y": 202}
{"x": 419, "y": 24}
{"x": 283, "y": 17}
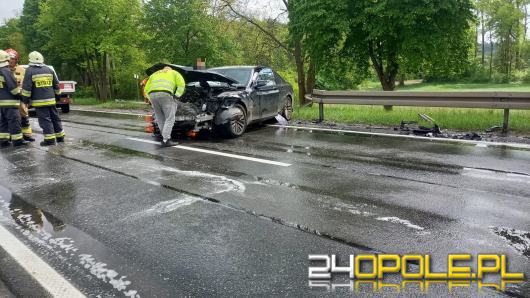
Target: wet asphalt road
{"x": 118, "y": 215}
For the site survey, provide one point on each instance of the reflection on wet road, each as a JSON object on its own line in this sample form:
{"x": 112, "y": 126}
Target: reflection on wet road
{"x": 121, "y": 217}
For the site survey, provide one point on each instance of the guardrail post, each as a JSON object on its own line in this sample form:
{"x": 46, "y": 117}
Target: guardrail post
{"x": 505, "y": 125}
{"x": 321, "y": 111}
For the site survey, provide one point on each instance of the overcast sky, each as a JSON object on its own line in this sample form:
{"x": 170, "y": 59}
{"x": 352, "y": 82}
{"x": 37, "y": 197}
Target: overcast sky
{"x": 10, "y": 8}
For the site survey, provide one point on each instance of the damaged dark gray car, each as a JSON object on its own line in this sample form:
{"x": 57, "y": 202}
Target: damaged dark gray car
{"x": 228, "y": 99}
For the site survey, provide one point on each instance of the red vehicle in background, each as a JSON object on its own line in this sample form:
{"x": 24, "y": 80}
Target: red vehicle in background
{"x": 67, "y": 95}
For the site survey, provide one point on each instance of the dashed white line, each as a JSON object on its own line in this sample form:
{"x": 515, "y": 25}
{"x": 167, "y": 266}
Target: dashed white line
{"x": 46, "y": 276}
{"x": 229, "y": 155}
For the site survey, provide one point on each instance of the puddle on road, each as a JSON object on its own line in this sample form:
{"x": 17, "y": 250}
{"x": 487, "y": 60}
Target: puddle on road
{"x": 520, "y": 240}
{"x": 51, "y": 234}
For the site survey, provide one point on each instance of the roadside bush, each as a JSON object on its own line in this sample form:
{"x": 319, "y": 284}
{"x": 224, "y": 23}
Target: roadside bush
{"x": 526, "y": 78}
{"x": 84, "y": 91}
{"x": 499, "y": 78}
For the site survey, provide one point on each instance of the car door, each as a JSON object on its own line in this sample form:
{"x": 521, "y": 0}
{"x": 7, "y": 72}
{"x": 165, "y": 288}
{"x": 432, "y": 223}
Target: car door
{"x": 268, "y": 93}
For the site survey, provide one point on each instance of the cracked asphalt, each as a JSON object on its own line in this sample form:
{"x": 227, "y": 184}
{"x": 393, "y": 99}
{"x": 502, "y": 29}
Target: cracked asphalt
{"x": 118, "y": 216}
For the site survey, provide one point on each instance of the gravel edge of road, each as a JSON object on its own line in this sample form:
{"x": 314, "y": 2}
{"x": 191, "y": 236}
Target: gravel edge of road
{"x": 487, "y": 137}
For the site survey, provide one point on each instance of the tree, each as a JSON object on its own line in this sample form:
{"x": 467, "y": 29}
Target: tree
{"x": 293, "y": 45}
{"x": 34, "y": 38}
{"x": 385, "y": 34}
{"x": 96, "y": 35}
{"x": 183, "y": 30}
{"x": 12, "y": 37}
{"x": 506, "y": 19}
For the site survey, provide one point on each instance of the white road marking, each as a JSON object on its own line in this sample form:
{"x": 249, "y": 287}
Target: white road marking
{"x": 46, "y": 276}
{"x": 258, "y": 160}
{"x": 487, "y": 174}
{"x": 483, "y": 144}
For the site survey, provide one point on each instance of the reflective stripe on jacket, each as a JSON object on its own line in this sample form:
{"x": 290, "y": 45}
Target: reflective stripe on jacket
{"x": 8, "y": 89}
{"x": 166, "y": 80}
{"x": 41, "y": 85}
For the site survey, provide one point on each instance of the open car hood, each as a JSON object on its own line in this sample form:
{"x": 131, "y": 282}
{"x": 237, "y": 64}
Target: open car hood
{"x": 191, "y": 75}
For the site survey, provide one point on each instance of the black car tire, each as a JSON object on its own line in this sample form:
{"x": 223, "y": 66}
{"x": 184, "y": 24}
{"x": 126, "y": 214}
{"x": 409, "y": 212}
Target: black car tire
{"x": 65, "y": 109}
{"x": 287, "y": 110}
{"x": 236, "y": 127}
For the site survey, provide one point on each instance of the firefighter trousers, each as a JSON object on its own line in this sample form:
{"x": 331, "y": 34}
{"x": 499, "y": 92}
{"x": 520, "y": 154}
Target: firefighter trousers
{"x": 10, "y": 124}
{"x": 24, "y": 118}
{"x": 50, "y": 122}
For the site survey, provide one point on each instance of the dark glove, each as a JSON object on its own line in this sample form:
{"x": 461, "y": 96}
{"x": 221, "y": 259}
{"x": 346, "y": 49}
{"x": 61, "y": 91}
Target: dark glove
{"x": 57, "y": 98}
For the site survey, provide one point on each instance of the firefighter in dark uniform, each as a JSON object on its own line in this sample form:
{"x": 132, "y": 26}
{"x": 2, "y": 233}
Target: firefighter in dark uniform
{"x": 41, "y": 87}
{"x": 19, "y": 71}
{"x": 10, "y": 127}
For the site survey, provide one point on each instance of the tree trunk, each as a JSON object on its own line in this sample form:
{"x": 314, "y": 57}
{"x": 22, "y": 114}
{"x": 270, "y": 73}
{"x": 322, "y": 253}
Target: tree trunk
{"x": 311, "y": 77}
{"x": 483, "y": 38}
{"x": 387, "y": 76}
{"x": 103, "y": 78}
{"x": 491, "y": 56}
{"x": 299, "y": 60}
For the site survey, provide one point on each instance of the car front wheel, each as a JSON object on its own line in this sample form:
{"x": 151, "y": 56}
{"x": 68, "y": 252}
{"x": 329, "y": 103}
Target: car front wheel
{"x": 237, "y": 125}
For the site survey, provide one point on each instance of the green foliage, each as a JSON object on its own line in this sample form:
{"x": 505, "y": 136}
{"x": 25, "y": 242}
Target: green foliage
{"x": 182, "y": 30}
{"x": 34, "y": 37}
{"x": 389, "y": 35}
{"x": 12, "y": 37}
{"x": 97, "y": 36}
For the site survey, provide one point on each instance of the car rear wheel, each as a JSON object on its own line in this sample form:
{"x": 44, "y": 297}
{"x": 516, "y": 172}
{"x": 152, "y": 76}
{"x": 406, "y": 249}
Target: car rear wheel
{"x": 237, "y": 125}
{"x": 287, "y": 111}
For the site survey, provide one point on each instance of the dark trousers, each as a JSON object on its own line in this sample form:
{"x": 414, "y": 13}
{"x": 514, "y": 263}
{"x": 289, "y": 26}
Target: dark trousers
{"x": 50, "y": 122}
{"x": 10, "y": 124}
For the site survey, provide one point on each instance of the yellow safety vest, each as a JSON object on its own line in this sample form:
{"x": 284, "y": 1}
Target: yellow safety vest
{"x": 166, "y": 80}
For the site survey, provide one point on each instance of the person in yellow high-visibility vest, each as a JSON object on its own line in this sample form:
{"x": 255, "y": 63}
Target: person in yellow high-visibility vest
{"x": 163, "y": 89}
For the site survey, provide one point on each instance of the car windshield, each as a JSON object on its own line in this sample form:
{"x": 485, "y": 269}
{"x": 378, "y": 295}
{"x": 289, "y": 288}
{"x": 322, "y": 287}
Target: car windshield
{"x": 241, "y": 75}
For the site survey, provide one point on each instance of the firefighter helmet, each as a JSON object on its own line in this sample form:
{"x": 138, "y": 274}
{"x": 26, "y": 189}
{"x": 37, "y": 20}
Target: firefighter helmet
{"x": 13, "y": 54}
{"x": 4, "y": 58}
{"x": 36, "y": 57}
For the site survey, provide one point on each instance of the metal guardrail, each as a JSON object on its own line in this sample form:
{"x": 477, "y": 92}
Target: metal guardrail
{"x": 481, "y": 100}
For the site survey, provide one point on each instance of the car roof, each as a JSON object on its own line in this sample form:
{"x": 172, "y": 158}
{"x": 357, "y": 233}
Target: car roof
{"x": 239, "y": 66}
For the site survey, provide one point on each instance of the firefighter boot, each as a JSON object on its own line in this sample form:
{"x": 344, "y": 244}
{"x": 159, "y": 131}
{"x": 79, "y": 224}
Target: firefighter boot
{"x": 47, "y": 143}
{"x": 60, "y": 139}
{"x": 19, "y": 143}
{"x": 4, "y": 144}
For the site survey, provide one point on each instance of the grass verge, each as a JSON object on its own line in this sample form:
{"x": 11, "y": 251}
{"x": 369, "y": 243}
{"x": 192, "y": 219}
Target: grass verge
{"x": 111, "y": 105}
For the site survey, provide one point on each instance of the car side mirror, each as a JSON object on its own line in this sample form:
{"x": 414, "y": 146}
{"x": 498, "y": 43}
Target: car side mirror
{"x": 261, "y": 83}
